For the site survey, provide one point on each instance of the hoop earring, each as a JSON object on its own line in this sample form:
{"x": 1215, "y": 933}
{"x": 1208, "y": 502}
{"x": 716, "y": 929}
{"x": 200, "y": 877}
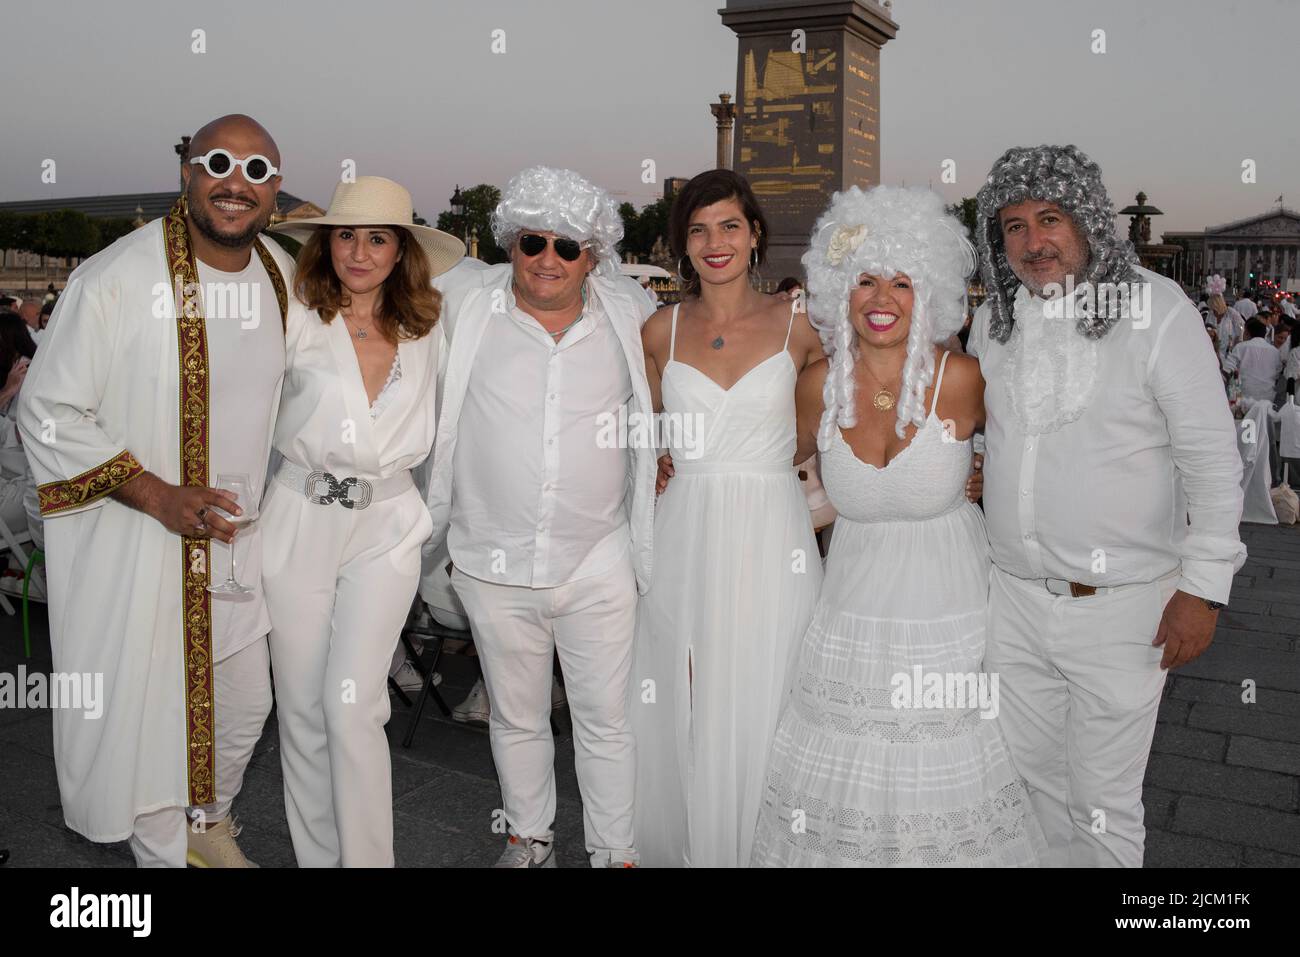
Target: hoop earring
{"x": 753, "y": 258}
{"x": 681, "y": 271}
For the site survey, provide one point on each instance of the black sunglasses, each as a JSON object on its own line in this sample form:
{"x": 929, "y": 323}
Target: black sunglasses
{"x": 530, "y": 244}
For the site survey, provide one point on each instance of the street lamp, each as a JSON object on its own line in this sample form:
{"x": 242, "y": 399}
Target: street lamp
{"x": 458, "y": 211}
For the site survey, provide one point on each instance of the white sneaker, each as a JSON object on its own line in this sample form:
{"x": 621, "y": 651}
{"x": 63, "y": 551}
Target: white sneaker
{"x": 476, "y": 708}
{"x": 527, "y": 852}
{"x": 410, "y": 680}
{"x": 215, "y": 846}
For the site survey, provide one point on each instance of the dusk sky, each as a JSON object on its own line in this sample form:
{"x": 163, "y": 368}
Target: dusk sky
{"x": 1185, "y": 92}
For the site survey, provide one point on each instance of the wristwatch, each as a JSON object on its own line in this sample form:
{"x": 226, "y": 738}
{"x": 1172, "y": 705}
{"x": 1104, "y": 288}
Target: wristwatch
{"x": 1214, "y": 605}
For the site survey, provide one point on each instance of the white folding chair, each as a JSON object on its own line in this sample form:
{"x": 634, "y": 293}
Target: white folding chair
{"x": 11, "y": 541}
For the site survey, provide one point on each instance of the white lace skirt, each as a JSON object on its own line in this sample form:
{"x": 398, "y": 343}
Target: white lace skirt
{"x": 854, "y": 781}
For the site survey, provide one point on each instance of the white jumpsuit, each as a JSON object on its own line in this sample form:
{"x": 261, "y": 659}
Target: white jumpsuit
{"x": 340, "y": 581}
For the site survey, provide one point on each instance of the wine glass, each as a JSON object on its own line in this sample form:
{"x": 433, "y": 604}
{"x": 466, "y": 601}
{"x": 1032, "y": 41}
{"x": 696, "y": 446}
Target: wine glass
{"x": 238, "y": 485}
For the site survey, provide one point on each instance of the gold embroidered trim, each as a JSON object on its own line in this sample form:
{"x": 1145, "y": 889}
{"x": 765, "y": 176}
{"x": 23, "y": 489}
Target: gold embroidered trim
{"x": 195, "y": 552}
{"x": 277, "y": 282}
{"x": 56, "y": 497}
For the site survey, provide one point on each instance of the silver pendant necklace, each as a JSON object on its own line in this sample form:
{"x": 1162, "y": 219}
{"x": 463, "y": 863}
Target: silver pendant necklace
{"x": 360, "y": 333}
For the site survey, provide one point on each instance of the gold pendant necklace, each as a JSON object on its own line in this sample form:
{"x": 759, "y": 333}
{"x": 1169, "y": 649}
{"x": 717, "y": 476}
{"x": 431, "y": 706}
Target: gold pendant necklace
{"x": 884, "y": 400}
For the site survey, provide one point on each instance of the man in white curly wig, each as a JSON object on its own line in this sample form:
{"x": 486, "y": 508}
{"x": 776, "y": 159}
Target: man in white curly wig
{"x": 548, "y": 527}
{"x": 1111, "y": 491}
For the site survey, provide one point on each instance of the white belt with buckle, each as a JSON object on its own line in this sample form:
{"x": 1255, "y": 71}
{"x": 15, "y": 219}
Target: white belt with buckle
{"x": 323, "y": 488}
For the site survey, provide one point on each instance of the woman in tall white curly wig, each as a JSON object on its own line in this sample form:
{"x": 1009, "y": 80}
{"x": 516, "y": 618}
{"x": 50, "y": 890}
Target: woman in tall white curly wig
{"x": 885, "y": 231}
{"x": 881, "y": 770}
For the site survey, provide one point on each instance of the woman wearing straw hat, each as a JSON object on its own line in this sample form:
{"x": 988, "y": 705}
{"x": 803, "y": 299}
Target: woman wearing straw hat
{"x": 343, "y": 521}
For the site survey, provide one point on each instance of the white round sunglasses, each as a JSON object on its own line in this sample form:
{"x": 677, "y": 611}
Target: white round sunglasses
{"x": 219, "y": 163}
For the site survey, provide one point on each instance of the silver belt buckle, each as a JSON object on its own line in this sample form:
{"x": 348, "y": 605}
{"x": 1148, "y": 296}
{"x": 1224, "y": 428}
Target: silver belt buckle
{"x": 322, "y": 488}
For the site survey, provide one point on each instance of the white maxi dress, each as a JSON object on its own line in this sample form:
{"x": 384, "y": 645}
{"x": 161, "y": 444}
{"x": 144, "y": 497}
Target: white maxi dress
{"x": 736, "y": 578}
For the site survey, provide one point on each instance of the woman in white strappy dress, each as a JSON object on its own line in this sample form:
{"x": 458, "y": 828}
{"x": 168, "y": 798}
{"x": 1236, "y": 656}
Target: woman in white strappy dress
{"x": 736, "y": 567}
{"x": 871, "y": 765}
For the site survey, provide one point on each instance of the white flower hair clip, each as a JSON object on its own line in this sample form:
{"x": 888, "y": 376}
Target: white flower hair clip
{"x": 1215, "y": 285}
{"x": 845, "y": 241}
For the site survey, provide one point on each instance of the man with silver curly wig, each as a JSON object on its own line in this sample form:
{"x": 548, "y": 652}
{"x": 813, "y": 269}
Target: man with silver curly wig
{"x": 1111, "y": 493}
{"x": 885, "y": 231}
{"x": 547, "y": 526}
{"x": 1070, "y": 183}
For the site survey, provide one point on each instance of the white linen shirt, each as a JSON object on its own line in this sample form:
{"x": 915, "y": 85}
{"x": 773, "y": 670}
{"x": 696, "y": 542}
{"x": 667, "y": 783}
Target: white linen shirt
{"x": 1258, "y": 362}
{"x": 1106, "y": 499}
{"x": 538, "y": 502}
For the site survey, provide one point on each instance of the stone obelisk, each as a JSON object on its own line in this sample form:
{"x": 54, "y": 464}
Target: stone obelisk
{"x": 808, "y": 106}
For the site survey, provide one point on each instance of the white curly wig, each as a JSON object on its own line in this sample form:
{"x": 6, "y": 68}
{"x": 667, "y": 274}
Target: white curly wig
{"x": 561, "y": 202}
{"x": 883, "y": 231}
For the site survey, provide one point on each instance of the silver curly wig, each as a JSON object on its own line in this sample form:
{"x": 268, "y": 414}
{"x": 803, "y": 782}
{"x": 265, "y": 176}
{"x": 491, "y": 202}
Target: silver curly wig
{"x": 1065, "y": 176}
{"x": 562, "y": 202}
{"x": 883, "y": 231}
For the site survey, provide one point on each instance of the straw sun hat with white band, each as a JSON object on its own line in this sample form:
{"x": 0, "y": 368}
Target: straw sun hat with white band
{"x": 376, "y": 201}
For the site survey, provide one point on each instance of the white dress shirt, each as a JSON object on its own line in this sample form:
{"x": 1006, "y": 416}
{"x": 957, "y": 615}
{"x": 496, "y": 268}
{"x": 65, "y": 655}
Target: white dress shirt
{"x": 1084, "y": 467}
{"x": 538, "y": 502}
{"x": 1258, "y": 362}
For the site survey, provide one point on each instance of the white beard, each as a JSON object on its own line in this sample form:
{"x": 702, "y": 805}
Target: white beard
{"x": 1051, "y": 368}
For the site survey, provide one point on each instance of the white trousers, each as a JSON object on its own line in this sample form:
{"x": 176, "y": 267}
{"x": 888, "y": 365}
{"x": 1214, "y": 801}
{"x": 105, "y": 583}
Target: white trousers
{"x": 517, "y": 631}
{"x": 339, "y": 586}
{"x": 1080, "y": 686}
{"x": 242, "y": 685}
